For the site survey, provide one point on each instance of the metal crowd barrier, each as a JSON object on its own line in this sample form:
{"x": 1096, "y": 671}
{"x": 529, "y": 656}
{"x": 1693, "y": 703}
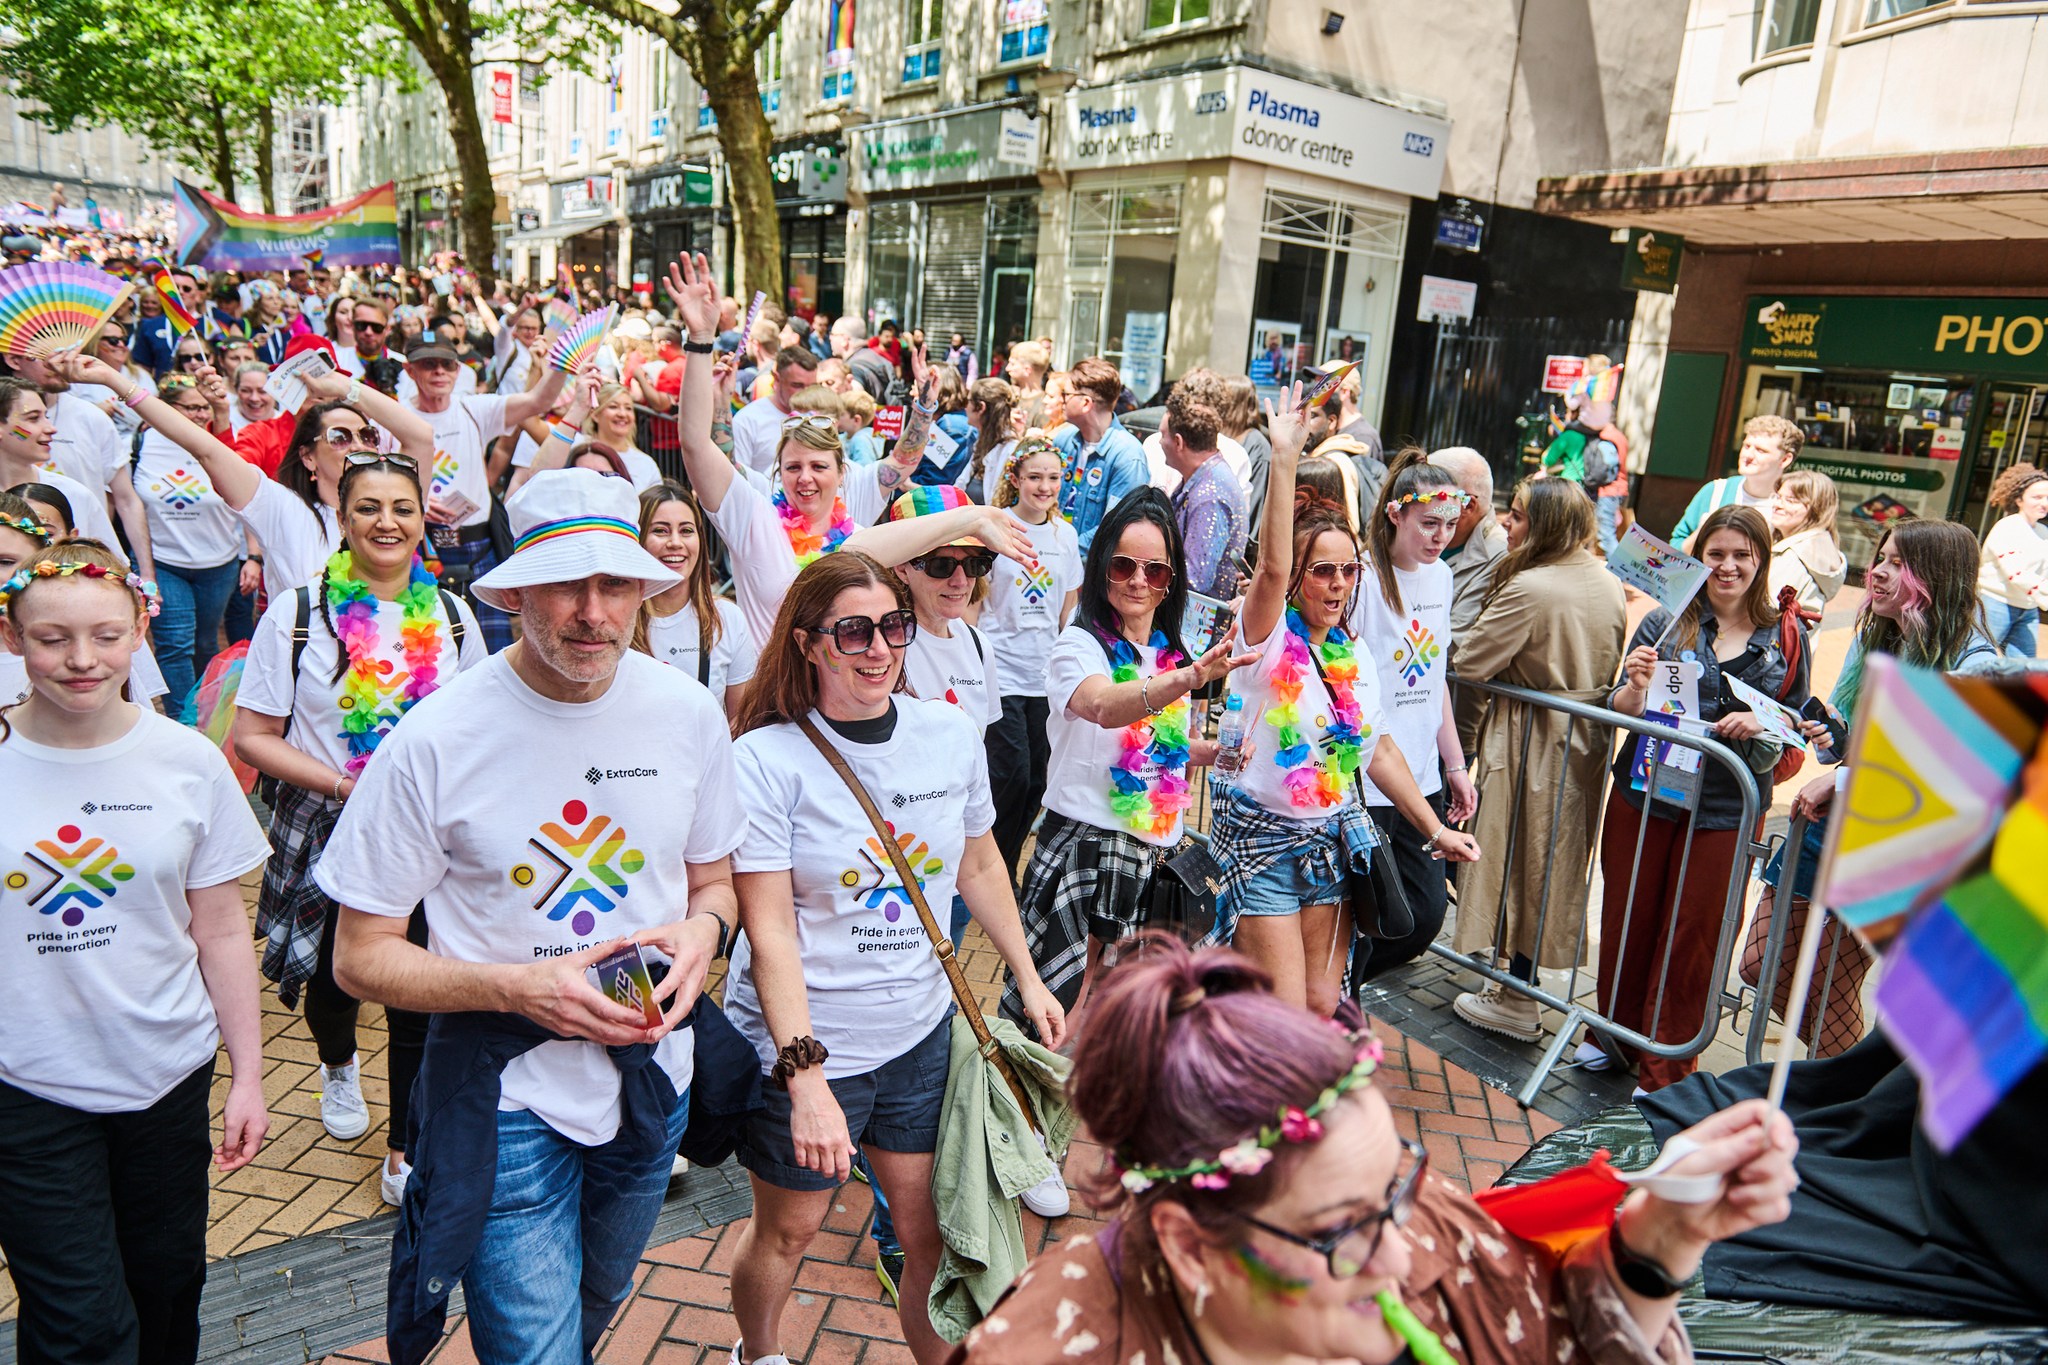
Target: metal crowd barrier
{"x": 1575, "y": 1011}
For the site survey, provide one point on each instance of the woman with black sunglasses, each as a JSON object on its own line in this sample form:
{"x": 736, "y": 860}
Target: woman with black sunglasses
{"x": 292, "y": 515}
{"x": 835, "y": 982}
{"x": 1117, "y": 783}
{"x": 1264, "y": 1208}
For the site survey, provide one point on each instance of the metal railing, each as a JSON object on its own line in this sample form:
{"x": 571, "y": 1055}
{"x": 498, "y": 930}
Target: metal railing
{"x": 1576, "y": 1012}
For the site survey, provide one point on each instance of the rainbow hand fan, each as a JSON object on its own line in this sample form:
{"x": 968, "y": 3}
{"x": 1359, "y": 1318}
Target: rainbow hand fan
{"x": 580, "y": 342}
{"x": 559, "y": 315}
{"x": 52, "y": 306}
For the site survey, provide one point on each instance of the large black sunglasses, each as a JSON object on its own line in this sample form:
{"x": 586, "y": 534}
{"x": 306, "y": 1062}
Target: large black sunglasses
{"x": 943, "y": 566}
{"x": 1350, "y": 1249}
{"x": 854, "y": 634}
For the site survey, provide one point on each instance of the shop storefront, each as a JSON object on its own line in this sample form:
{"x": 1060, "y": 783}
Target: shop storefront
{"x": 586, "y": 212}
{"x": 810, "y": 199}
{"x": 670, "y": 210}
{"x": 952, "y": 223}
{"x": 1301, "y": 195}
{"x": 1911, "y": 405}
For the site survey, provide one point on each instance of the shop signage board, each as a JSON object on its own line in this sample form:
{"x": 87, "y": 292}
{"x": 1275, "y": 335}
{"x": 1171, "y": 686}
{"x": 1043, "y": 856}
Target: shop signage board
{"x": 502, "y": 83}
{"x": 591, "y": 197}
{"x": 1651, "y": 259}
{"x": 986, "y": 144}
{"x": 1560, "y": 372}
{"x": 811, "y": 168}
{"x": 676, "y": 186}
{"x": 1440, "y": 298}
{"x": 1460, "y": 227}
{"x": 1253, "y": 116}
{"x": 1994, "y": 338}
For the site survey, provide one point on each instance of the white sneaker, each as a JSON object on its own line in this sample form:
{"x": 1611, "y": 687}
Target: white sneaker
{"x": 757, "y": 1360}
{"x": 1592, "y": 1056}
{"x": 1495, "y": 1010}
{"x": 342, "y": 1111}
{"x": 1048, "y": 1198}
{"x": 677, "y": 1167}
{"x": 391, "y": 1186}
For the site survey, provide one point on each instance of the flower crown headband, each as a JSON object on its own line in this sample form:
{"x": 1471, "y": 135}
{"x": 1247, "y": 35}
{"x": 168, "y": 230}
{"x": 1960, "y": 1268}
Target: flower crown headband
{"x": 1295, "y": 1123}
{"x": 29, "y": 527}
{"x": 1457, "y": 495}
{"x": 144, "y": 588}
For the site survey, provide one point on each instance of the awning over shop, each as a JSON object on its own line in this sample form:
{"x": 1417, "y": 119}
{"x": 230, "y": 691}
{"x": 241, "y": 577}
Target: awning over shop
{"x": 1993, "y": 195}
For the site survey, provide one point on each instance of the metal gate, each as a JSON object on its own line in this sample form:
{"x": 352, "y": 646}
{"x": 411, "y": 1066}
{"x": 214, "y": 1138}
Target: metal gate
{"x": 1487, "y": 374}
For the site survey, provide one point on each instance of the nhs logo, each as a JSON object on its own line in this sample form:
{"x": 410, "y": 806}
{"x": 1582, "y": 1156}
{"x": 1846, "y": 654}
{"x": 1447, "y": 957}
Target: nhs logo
{"x": 1418, "y": 144}
{"x": 1212, "y": 102}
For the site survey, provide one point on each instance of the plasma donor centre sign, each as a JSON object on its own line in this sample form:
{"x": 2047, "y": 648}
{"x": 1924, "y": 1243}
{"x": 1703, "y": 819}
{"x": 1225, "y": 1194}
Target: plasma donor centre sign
{"x": 1254, "y": 116}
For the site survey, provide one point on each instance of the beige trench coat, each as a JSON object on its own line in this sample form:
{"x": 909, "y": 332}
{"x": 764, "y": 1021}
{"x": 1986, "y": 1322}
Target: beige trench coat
{"x": 1558, "y": 629}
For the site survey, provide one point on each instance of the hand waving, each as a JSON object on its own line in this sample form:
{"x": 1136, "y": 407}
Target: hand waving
{"x": 694, "y": 293}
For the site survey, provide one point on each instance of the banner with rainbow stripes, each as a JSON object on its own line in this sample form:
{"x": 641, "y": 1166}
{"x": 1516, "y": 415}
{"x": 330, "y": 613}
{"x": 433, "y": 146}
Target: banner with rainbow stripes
{"x": 215, "y": 234}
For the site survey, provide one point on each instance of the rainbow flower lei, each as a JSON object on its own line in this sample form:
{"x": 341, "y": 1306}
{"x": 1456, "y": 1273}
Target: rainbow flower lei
{"x": 1150, "y": 808}
{"x": 369, "y": 709}
{"x": 806, "y": 543}
{"x": 1311, "y": 783}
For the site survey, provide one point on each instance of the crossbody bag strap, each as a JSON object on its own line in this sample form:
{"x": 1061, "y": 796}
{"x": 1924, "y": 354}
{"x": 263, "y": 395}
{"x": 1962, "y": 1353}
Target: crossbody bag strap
{"x": 963, "y": 995}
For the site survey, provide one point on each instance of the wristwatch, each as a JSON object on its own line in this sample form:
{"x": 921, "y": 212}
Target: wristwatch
{"x": 1641, "y": 1274}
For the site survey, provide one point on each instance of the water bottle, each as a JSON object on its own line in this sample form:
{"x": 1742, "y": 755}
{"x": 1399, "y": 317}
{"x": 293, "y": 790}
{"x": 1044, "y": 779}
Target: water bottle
{"x": 1230, "y": 738}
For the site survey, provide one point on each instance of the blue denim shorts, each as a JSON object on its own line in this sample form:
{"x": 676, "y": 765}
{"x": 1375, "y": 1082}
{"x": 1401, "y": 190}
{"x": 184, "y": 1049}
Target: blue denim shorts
{"x": 1283, "y": 889}
{"x": 894, "y": 1107}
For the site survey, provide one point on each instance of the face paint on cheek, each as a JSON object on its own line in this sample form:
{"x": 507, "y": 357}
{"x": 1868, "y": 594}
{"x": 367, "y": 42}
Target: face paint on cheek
{"x": 1268, "y": 1278}
{"x": 20, "y": 434}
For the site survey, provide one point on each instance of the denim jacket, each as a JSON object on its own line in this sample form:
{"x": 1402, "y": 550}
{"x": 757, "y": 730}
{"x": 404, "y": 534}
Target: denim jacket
{"x": 1091, "y": 488}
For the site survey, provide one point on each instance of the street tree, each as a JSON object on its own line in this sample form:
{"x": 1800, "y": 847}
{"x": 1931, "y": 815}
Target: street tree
{"x": 718, "y": 39}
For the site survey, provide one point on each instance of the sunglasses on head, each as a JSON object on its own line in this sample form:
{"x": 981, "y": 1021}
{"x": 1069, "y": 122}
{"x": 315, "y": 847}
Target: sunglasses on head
{"x": 854, "y": 634}
{"x": 1158, "y": 573}
{"x": 1329, "y": 571}
{"x": 809, "y": 419}
{"x": 944, "y": 566}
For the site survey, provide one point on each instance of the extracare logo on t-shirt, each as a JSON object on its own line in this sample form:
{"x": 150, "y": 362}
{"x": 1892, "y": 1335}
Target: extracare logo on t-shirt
{"x": 69, "y": 875}
{"x": 580, "y": 869}
{"x": 875, "y": 886}
{"x": 1417, "y": 653}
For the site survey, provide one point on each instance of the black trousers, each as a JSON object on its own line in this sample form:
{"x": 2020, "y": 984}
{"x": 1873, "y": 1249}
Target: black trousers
{"x": 331, "y": 1019}
{"x": 1018, "y": 751}
{"x": 103, "y": 1219}
{"x": 1422, "y": 877}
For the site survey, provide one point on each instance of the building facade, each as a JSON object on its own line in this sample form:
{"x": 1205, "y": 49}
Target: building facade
{"x": 123, "y": 178}
{"x": 1862, "y": 251}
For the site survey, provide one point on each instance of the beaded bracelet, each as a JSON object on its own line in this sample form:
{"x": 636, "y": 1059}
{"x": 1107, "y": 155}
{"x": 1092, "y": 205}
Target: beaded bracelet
{"x": 799, "y": 1054}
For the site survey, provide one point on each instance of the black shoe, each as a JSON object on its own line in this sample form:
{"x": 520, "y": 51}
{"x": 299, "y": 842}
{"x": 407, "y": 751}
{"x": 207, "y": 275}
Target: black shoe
{"x": 889, "y": 1270}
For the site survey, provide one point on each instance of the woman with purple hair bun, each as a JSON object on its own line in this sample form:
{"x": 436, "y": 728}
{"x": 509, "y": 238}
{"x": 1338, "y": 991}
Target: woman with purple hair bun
{"x": 1265, "y": 1209}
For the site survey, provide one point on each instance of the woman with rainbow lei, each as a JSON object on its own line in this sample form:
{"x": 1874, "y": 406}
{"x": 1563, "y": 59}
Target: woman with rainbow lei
{"x": 332, "y": 669}
{"x": 1291, "y": 825}
{"x": 1264, "y": 1209}
{"x": 1117, "y": 688}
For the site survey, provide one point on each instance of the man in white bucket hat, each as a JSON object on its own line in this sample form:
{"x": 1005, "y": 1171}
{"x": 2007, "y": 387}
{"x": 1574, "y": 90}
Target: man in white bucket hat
{"x": 563, "y": 797}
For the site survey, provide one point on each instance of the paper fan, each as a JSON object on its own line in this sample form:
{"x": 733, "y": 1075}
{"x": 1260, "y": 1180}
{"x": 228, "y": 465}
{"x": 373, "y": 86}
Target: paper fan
{"x": 582, "y": 338}
{"x": 52, "y": 306}
{"x": 559, "y": 315}
{"x": 1326, "y": 388}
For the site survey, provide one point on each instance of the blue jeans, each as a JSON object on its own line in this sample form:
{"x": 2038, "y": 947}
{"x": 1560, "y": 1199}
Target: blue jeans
{"x": 187, "y": 634}
{"x": 1607, "y": 521}
{"x": 2012, "y": 628}
{"x": 567, "y": 1227}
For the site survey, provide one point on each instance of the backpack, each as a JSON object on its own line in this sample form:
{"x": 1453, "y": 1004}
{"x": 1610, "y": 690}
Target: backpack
{"x": 1600, "y": 460}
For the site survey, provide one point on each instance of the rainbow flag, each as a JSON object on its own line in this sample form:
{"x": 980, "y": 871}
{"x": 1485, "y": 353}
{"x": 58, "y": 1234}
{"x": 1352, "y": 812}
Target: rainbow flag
{"x": 1935, "y": 854}
{"x": 217, "y": 234}
{"x": 316, "y": 258}
{"x": 1603, "y": 387}
{"x": 182, "y": 318}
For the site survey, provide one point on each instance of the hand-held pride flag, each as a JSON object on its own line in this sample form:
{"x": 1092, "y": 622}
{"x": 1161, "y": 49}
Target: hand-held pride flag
{"x": 219, "y": 235}
{"x": 1601, "y": 387}
{"x": 579, "y": 342}
{"x": 52, "y": 306}
{"x": 183, "y": 319}
{"x": 1935, "y": 854}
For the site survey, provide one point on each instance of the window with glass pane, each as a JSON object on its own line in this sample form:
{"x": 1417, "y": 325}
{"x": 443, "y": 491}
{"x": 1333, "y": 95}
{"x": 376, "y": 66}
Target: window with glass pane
{"x": 1785, "y": 23}
{"x": 892, "y": 260}
{"x": 1024, "y": 31}
{"x": 768, "y": 72}
{"x": 1166, "y": 13}
{"x": 923, "y": 27}
{"x": 1881, "y": 10}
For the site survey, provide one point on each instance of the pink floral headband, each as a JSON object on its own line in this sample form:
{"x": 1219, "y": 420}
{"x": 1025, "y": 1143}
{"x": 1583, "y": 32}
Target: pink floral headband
{"x": 1295, "y": 1123}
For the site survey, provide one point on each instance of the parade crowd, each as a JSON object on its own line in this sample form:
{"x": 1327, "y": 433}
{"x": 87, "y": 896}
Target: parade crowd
{"x": 688, "y": 648}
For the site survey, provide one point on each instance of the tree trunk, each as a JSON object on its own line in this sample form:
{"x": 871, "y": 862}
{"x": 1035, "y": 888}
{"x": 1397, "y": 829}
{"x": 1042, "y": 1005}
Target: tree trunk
{"x": 478, "y": 204}
{"x": 266, "y": 155}
{"x": 747, "y": 141}
{"x": 223, "y": 151}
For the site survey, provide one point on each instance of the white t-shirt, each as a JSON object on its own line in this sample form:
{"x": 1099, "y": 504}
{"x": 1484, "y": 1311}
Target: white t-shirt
{"x": 1411, "y": 651}
{"x": 105, "y": 1009}
{"x": 675, "y": 641}
{"x": 313, "y": 702}
{"x": 296, "y": 540}
{"x": 1263, "y": 779}
{"x": 874, "y": 983}
{"x": 955, "y": 668}
{"x": 190, "y": 525}
{"x": 463, "y": 432}
{"x": 763, "y": 565}
{"x": 88, "y": 508}
{"x": 88, "y": 447}
{"x": 1022, "y": 617}
{"x": 640, "y": 467}
{"x": 756, "y": 432}
{"x": 1077, "y": 782}
{"x": 124, "y": 418}
{"x": 527, "y": 850}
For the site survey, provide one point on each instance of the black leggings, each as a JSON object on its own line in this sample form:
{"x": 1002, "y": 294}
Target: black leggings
{"x": 1018, "y": 750}
{"x": 331, "y": 1017}
{"x": 1422, "y": 877}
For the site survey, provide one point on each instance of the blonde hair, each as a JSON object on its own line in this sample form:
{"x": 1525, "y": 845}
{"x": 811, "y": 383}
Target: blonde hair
{"x": 818, "y": 398}
{"x": 811, "y": 437}
{"x": 1006, "y": 479}
{"x": 605, "y": 394}
{"x": 1815, "y": 492}
{"x": 861, "y": 404}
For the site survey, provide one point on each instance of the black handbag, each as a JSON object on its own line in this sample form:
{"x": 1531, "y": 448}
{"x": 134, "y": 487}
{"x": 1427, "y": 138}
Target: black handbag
{"x": 1186, "y": 884}
{"x": 1379, "y": 903}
